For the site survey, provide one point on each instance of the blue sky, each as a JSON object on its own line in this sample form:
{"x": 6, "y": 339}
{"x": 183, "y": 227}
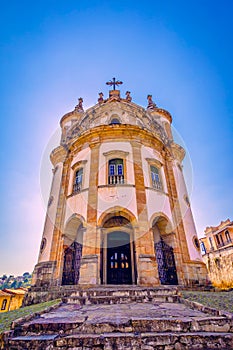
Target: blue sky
{"x": 52, "y": 52}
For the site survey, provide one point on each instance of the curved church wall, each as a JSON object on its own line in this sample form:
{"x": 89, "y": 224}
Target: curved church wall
{"x": 188, "y": 222}
{"x": 44, "y": 254}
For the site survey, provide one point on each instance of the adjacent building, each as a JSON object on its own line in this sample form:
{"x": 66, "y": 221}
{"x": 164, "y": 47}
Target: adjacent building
{"x": 217, "y": 251}
{"x": 118, "y": 211}
{"x": 11, "y": 299}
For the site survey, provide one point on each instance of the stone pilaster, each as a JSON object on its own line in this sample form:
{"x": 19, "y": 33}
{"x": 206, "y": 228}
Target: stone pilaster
{"x": 145, "y": 255}
{"x": 89, "y": 271}
{"x": 181, "y": 249}
{"x": 57, "y": 243}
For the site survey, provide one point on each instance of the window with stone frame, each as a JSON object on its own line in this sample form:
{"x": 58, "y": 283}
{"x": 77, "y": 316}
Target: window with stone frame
{"x": 203, "y": 249}
{"x": 211, "y": 243}
{"x": 78, "y": 180}
{"x": 115, "y": 171}
{"x": 156, "y": 177}
{"x": 4, "y": 302}
{"x": 228, "y": 237}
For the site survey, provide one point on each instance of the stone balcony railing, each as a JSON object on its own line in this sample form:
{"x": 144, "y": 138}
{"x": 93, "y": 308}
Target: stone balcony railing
{"x": 77, "y": 188}
{"x": 157, "y": 185}
{"x": 116, "y": 179}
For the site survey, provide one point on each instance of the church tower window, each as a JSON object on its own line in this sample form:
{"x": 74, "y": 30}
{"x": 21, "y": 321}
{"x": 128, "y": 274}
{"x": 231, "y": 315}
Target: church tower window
{"x": 115, "y": 172}
{"x": 155, "y": 178}
{"x": 115, "y": 121}
{"x": 78, "y": 180}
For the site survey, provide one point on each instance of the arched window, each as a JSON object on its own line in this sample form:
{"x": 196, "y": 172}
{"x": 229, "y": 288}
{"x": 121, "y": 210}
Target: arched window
{"x": 155, "y": 178}
{"x": 78, "y": 180}
{"x": 115, "y": 121}
{"x": 4, "y": 302}
{"x": 115, "y": 171}
{"x": 203, "y": 249}
{"x": 228, "y": 237}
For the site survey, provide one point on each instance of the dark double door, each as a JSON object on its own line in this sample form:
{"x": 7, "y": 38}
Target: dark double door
{"x": 166, "y": 263}
{"x": 72, "y": 262}
{"x": 119, "y": 267}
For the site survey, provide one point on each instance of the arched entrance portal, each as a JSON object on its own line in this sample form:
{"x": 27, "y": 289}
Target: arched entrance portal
{"x": 117, "y": 251}
{"x": 163, "y": 241}
{"x": 119, "y": 268}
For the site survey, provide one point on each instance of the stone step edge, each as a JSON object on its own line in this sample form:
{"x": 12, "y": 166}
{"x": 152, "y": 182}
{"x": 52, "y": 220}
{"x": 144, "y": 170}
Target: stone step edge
{"x": 168, "y": 298}
{"x": 102, "y": 336}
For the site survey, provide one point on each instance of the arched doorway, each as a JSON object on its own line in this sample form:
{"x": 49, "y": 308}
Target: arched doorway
{"x": 117, "y": 252}
{"x": 73, "y": 244}
{"x": 163, "y": 240}
{"x": 119, "y": 268}
{"x": 72, "y": 263}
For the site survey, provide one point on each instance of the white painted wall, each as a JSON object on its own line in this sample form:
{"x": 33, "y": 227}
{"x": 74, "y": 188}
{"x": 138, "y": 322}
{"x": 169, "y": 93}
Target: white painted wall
{"x": 51, "y": 213}
{"x": 122, "y": 196}
{"x": 189, "y": 225}
{"x": 157, "y": 202}
{"x": 77, "y": 204}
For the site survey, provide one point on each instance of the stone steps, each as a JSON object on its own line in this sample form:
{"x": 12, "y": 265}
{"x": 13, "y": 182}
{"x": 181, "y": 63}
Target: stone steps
{"x": 124, "y": 317}
{"x": 119, "y": 299}
{"x": 126, "y": 341}
{"x": 134, "y": 325}
{"x": 36, "y": 295}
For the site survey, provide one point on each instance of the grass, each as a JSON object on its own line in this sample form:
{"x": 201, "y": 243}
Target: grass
{"x": 216, "y": 300}
{"x": 6, "y": 318}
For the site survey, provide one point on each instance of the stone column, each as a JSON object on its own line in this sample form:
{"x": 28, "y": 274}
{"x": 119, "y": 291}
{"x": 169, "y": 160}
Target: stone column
{"x": 181, "y": 249}
{"x": 89, "y": 271}
{"x": 145, "y": 256}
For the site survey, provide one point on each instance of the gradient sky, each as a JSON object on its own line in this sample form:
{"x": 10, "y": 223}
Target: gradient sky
{"x": 53, "y": 52}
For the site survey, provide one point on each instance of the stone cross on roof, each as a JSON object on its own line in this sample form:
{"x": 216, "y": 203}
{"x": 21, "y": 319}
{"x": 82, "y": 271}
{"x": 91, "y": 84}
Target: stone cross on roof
{"x": 114, "y": 82}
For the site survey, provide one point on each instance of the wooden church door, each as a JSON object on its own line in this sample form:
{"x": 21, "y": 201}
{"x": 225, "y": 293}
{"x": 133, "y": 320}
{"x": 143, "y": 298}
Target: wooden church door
{"x": 72, "y": 262}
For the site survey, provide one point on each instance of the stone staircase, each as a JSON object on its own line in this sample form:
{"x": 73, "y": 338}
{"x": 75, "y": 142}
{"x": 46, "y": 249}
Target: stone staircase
{"x": 124, "y": 317}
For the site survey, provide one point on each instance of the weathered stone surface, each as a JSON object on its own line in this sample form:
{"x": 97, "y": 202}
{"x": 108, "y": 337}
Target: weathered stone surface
{"x": 132, "y": 325}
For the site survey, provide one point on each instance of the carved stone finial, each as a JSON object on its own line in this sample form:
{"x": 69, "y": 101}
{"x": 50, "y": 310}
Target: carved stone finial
{"x": 79, "y": 107}
{"x": 151, "y": 104}
{"x": 128, "y": 97}
{"x": 100, "y": 99}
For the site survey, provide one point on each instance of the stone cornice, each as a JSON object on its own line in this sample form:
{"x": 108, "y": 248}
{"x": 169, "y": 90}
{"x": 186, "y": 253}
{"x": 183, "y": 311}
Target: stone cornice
{"x": 108, "y": 133}
{"x": 58, "y": 155}
{"x": 100, "y": 114}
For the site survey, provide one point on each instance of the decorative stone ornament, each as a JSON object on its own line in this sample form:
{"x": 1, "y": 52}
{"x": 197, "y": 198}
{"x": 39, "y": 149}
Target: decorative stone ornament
{"x": 79, "y": 107}
{"x": 128, "y": 97}
{"x": 101, "y": 99}
{"x": 151, "y": 104}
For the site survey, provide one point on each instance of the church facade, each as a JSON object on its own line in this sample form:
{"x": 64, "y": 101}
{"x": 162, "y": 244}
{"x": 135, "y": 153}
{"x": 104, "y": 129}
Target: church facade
{"x": 118, "y": 211}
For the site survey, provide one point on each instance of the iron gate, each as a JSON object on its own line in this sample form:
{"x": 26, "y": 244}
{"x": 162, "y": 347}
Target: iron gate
{"x": 166, "y": 263}
{"x": 72, "y": 262}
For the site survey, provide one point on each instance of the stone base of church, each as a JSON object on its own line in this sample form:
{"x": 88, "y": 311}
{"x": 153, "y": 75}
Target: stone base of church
{"x": 89, "y": 270}
{"x": 195, "y": 273}
{"x": 147, "y": 270}
{"x": 43, "y": 274}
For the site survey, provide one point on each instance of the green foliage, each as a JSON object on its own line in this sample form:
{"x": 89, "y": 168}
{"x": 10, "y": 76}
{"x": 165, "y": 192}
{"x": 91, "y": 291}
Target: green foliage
{"x": 15, "y": 282}
{"x": 6, "y": 318}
